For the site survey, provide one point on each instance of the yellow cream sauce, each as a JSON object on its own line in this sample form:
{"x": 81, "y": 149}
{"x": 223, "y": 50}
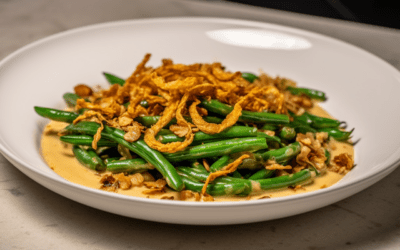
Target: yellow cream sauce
{"x": 60, "y": 158}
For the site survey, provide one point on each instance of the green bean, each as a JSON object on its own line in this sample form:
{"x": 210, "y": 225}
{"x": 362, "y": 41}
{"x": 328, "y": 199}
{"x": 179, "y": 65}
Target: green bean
{"x": 142, "y": 103}
{"x": 81, "y": 111}
{"x": 88, "y": 158}
{"x": 220, "y": 163}
{"x": 165, "y": 131}
{"x": 282, "y": 154}
{"x": 232, "y": 132}
{"x": 197, "y": 165}
{"x": 270, "y": 138}
{"x": 83, "y": 127}
{"x": 304, "y": 119}
{"x": 86, "y": 140}
{"x": 149, "y": 121}
{"x": 328, "y": 157}
{"x": 153, "y": 157}
{"x": 301, "y": 127}
{"x": 250, "y": 77}
{"x": 237, "y": 187}
{"x": 237, "y": 174}
{"x": 287, "y": 133}
{"x": 202, "y": 175}
{"x": 139, "y": 147}
{"x": 198, "y": 173}
{"x": 319, "y": 122}
{"x": 167, "y": 137}
{"x": 323, "y": 122}
{"x": 269, "y": 127}
{"x": 111, "y": 159}
{"x": 126, "y": 105}
{"x": 214, "y": 189}
{"x": 262, "y": 174}
{"x": 135, "y": 165}
{"x": 212, "y": 119}
{"x": 284, "y": 181}
{"x": 218, "y": 148}
{"x": 217, "y": 107}
{"x": 56, "y": 114}
{"x": 255, "y": 162}
{"x": 312, "y": 93}
{"x": 70, "y": 99}
{"x": 337, "y": 134}
{"x": 112, "y": 79}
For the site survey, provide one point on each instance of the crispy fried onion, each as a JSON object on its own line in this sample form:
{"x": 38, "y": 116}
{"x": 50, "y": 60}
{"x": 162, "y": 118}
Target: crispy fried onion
{"x": 173, "y": 91}
{"x": 100, "y": 119}
{"x": 213, "y": 128}
{"x": 343, "y": 163}
{"x": 107, "y": 107}
{"x": 112, "y": 182}
{"x": 172, "y": 147}
{"x": 344, "y": 160}
{"x": 276, "y": 166}
{"x": 312, "y": 152}
{"x": 155, "y": 187}
{"x": 133, "y": 131}
{"x": 186, "y": 194}
{"x": 231, "y": 167}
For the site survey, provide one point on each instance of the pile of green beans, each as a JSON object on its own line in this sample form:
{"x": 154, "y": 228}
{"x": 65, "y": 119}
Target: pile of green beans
{"x": 183, "y": 170}
{"x": 311, "y": 123}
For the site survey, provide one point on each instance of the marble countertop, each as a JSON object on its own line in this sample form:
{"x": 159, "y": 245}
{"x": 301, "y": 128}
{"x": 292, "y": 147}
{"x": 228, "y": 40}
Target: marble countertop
{"x": 33, "y": 217}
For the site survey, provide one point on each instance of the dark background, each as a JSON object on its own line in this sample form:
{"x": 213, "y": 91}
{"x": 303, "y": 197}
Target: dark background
{"x": 382, "y": 13}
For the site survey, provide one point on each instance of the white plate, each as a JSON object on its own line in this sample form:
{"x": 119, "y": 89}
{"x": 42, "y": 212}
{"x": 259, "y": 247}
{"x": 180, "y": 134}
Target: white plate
{"x": 363, "y": 90}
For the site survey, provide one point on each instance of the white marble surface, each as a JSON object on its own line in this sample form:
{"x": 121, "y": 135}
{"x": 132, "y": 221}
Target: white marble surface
{"x": 32, "y": 217}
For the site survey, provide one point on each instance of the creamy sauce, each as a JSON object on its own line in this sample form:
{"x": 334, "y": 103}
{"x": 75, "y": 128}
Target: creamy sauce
{"x": 60, "y": 158}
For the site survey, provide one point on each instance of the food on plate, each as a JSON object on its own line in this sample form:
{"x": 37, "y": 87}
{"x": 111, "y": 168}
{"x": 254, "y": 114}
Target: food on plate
{"x": 196, "y": 132}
